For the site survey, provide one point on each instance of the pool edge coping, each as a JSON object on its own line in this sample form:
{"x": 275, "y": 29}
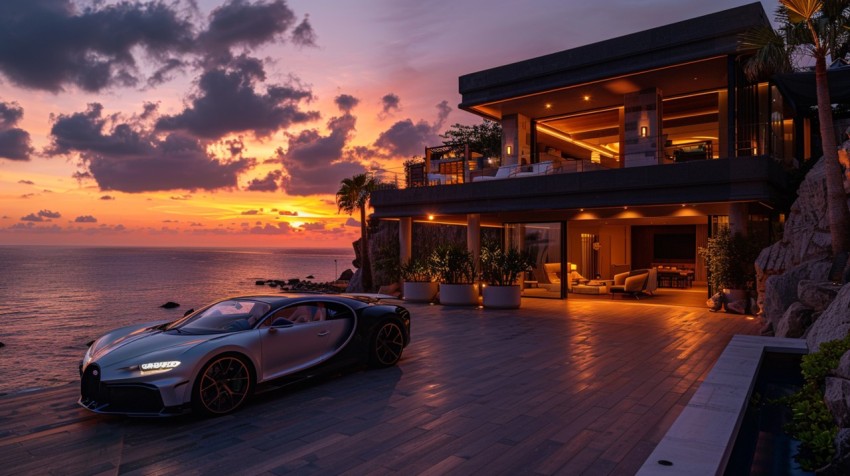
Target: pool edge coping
{"x": 700, "y": 441}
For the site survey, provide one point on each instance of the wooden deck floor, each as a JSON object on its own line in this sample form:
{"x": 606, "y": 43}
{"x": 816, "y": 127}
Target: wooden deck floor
{"x": 577, "y": 387}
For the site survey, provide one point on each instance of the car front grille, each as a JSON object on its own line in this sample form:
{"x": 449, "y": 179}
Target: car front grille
{"x": 119, "y": 398}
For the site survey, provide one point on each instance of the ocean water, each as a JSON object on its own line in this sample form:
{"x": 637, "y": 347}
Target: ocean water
{"x": 54, "y": 300}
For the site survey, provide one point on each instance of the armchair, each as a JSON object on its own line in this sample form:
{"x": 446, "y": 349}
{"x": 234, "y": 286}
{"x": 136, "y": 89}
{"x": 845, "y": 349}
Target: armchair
{"x": 630, "y": 282}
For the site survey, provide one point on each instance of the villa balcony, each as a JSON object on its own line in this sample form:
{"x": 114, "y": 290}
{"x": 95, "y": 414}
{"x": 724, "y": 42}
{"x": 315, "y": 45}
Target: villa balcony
{"x": 469, "y": 167}
{"x": 588, "y": 185}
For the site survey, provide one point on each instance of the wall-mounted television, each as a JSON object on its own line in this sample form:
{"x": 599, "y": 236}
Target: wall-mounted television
{"x": 674, "y": 246}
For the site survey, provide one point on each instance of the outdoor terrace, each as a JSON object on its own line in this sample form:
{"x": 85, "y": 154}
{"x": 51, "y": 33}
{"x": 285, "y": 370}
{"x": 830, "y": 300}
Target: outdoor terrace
{"x": 553, "y": 388}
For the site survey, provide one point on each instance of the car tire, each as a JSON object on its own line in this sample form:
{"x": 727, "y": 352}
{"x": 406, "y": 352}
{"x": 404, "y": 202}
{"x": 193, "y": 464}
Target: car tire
{"x": 223, "y": 385}
{"x": 386, "y": 345}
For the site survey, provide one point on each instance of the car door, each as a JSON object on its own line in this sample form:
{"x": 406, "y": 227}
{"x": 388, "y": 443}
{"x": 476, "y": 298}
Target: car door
{"x": 303, "y": 335}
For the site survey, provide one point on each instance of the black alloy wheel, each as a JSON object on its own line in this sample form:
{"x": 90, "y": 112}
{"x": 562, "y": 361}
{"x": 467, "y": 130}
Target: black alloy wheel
{"x": 387, "y": 345}
{"x": 223, "y": 385}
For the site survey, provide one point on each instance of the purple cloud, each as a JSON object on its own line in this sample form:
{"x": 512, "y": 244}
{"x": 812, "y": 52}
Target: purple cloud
{"x": 303, "y": 34}
{"x": 130, "y": 159}
{"x": 390, "y": 104}
{"x": 49, "y": 214}
{"x": 406, "y": 138}
{"x": 269, "y": 183}
{"x": 282, "y": 228}
{"x": 315, "y": 163}
{"x": 346, "y": 102}
{"x": 14, "y": 142}
{"x": 85, "y": 219}
{"x": 49, "y": 44}
{"x": 227, "y": 101}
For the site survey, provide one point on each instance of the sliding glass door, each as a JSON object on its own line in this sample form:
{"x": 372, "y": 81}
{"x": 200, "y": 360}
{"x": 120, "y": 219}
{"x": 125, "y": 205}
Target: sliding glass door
{"x": 545, "y": 242}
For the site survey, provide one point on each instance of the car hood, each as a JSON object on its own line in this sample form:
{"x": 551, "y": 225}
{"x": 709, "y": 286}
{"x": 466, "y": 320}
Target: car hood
{"x": 131, "y": 346}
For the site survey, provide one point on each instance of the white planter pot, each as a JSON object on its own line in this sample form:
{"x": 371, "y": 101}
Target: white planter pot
{"x": 459, "y": 294}
{"x": 419, "y": 292}
{"x": 502, "y": 297}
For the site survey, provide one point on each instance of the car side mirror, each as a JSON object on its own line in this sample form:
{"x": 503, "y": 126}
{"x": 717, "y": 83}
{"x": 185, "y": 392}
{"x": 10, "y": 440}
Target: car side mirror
{"x": 190, "y": 311}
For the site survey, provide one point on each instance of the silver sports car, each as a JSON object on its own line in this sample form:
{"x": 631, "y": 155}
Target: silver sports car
{"x": 212, "y": 360}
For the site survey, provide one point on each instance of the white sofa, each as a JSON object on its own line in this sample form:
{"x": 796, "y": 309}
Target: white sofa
{"x": 505, "y": 171}
{"x": 540, "y": 168}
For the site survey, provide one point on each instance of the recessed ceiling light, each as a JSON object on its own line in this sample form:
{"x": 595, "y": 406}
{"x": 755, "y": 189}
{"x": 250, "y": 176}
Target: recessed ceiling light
{"x": 430, "y": 217}
{"x": 548, "y": 106}
{"x": 587, "y": 97}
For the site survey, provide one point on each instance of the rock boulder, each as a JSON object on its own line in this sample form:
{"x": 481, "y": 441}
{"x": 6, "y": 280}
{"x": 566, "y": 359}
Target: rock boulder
{"x": 837, "y": 398}
{"x": 834, "y": 323}
{"x": 795, "y": 321}
{"x": 817, "y": 294}
{"x": 781, "y": 290}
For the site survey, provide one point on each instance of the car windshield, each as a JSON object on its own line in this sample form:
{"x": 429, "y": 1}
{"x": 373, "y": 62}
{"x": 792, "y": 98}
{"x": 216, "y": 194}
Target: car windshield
{"x": 226, "y": 316}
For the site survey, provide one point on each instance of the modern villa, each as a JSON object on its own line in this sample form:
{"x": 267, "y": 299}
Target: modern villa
{"x": 619, "y": 155}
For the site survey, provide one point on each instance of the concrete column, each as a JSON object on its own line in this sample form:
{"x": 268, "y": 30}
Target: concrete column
{"x": 738, "y": 218}
{"x": 516, "y": 134}
{"x": 642, "y": 128}
{"x": 473, "y": 234}
{"x": 405, "y": 239}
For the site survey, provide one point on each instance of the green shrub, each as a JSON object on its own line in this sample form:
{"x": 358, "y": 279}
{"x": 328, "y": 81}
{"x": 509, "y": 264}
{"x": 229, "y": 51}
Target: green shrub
{"x": 417, "y": 271}
{"x": 454, "y": 265}
{"x": 811, "y": 420}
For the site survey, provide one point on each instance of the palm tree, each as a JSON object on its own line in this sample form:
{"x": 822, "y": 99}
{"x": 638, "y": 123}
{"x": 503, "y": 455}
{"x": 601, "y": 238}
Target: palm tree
{"x": 354, "y": 195}
{"x": 819, "y": 29}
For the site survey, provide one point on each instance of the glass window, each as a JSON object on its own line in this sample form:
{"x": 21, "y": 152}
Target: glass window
{"x": 545, "y": 242}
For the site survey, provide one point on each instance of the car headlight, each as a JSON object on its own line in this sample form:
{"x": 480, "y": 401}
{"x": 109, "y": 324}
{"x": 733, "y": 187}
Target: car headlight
{"x": 164, "y": 366}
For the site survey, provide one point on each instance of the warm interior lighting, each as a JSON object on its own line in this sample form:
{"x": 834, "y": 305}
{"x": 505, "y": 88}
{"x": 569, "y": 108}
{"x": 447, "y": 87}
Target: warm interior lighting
{"x": 587, "y": 97}
{"x": 548, "y": 105}
{"x": 431, "y": 217}
{"x": 566, "y": 137}
{"x": 595, "y": 157}
{"x": 509, "y": 150}
{"x": 644, "y": 131}
{"x": 573, "y": 267}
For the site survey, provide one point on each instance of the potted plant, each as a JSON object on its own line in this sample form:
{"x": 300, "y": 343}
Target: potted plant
{"x": 418, "y": 281}
{"x": 455, "y": 266}
{"x": 501, "y": 269}
{"x": 729, "y": 261}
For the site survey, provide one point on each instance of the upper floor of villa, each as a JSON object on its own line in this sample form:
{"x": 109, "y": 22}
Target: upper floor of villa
{"x": 665, "y": 96}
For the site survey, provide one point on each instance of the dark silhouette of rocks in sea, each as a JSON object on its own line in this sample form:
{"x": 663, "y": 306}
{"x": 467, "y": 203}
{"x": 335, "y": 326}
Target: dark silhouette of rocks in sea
{"x": 310, "y": 276}
{"x": 2, "y": 344}
{"x": 170, "y": 305}
{"x": 346, "y": 275}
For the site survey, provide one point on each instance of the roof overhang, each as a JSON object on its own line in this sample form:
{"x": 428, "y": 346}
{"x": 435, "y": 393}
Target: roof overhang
{"x": 693, "y": 47}
{"x": 800, "y": 91}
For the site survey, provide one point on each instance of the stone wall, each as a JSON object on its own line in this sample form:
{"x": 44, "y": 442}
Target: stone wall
{"x": 427, "y": 237}
{"x": 781, "y": 266}
{"x": 798, "y": 300}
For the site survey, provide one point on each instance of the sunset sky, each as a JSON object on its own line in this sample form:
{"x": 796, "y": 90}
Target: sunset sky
{"x": 232, "y": 122}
